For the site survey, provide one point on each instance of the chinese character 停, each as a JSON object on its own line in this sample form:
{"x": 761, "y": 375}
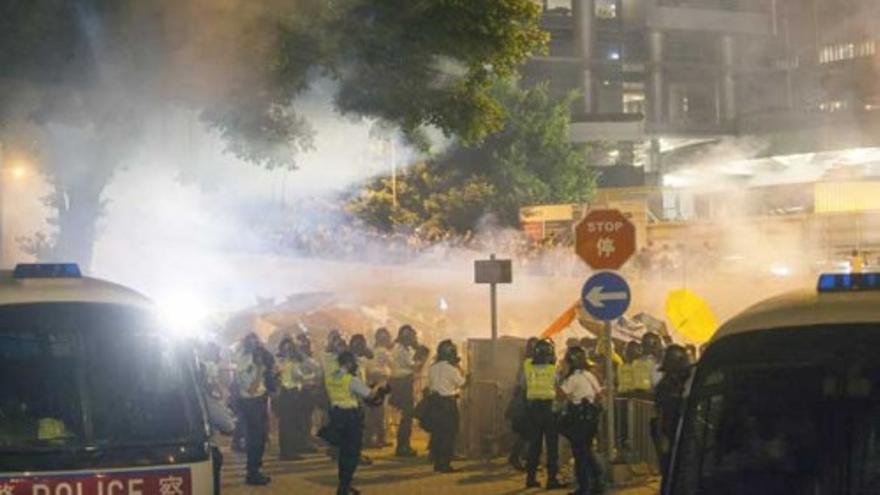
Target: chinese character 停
{"x": 605, "y": 245}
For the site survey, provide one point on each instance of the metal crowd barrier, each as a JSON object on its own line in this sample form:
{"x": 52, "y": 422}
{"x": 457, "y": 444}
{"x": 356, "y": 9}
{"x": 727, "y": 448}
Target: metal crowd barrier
{"x": 633, "y": 431}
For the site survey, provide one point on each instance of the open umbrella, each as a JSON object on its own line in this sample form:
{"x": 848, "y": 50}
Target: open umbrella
{"x": 690, "y": 315}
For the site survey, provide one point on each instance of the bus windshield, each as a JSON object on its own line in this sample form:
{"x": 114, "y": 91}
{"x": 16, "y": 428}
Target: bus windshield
{"x": 75, "y": 375}
{"x": 793, "y": 411}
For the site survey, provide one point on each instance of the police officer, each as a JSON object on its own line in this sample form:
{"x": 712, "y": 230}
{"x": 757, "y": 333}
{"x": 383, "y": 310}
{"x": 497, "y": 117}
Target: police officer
{"x": 516, "y": 413}
{"x": 668, "y": 399}
{"x": 445, "y": 380}
{"x": 357, "y": 344}
{"x": 312, "y": 391}
{"x": 220, "y": 417}
{"x": 581, "y": 391}
{"x": 540, "y": 385}
{"x": 346, "y": 391}
{"x": 289, "y": 366}
{"x": 378, "y": 371}
{"x": 253, "y": 365}
{"x": 407, "y": 357}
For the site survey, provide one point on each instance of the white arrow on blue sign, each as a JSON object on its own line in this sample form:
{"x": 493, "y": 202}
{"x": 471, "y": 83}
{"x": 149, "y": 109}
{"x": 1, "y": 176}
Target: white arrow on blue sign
{"x": 606, "y": 296}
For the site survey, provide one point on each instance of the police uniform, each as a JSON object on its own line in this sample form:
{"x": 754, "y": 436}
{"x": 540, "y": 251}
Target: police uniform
{"x": 378, "y": 370}
{"x": 346, "y": 419}
{"x": 581, "y": 389}
{"x": 540, "y": 382}
{"x": 444, "y": 382}
{"x": 250, "y": 383}
{"x": 309, "y": 371}
{"x": 290, "y": 394}
{"x": 402, "y": 392}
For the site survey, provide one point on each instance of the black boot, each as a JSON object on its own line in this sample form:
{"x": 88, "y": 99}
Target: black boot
{"x": 532, "y": 482}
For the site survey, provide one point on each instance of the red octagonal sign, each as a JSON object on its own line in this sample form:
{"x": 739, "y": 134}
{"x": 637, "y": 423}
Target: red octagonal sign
{"x": 605, "y": 239}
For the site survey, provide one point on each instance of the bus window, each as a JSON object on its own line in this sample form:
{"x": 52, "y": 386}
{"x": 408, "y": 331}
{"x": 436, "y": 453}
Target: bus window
{"x": 86, "y": 385}
{"x": 39, "y": 403}
{"x": 137, "y": 388}
{"x": 793, "y": 416}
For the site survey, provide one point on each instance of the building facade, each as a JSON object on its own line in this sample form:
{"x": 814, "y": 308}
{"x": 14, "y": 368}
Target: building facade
{"x": 665, "y": 80}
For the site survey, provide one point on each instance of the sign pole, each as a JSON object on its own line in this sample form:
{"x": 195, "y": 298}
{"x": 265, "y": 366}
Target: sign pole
{"x": 606, "y": 240}
{"x": 493, "y": 305}
{"x": 609, "y": 392}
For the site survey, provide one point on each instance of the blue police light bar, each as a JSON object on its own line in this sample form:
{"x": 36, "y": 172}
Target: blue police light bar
{"x": 849, "y": 282}
{"x": 47, "y": 270}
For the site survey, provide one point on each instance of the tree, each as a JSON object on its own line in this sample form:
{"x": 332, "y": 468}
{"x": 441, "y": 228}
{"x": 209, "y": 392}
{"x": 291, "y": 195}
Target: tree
{"x": 91, "y": 71}
{"x": 529, "y": 161}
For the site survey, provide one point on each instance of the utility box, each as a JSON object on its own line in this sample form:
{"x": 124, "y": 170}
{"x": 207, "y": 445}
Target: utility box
{"x": 494, "y": 368}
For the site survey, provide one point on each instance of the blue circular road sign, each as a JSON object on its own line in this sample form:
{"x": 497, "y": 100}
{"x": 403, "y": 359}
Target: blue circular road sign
{"x": 606, "y": 296}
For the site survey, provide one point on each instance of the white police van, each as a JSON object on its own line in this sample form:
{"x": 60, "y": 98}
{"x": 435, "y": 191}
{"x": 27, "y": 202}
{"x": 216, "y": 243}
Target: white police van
{"x": 786, "y": 398}
{"x": 94, "y": 399}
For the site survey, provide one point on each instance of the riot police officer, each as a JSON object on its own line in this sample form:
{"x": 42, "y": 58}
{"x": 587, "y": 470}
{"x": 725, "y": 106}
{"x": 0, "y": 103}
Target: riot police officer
{"x": 408, "y": 357}
{"x": 378, "y": 371}
{"x": 668, "y": 398}
{"x": 345, "y": 430}
{"x": 540, "y": 387}
{"x": 253, "y": 369}
{"x": 580, "y": 420}
{"x": 445, "y": 380}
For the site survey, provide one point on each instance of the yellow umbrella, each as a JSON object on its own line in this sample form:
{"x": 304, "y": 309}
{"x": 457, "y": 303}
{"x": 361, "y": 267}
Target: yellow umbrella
{"x": 690, "y": 315}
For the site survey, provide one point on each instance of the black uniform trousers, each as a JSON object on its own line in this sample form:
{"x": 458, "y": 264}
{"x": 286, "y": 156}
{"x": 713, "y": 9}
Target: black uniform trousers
{"x": 542, "y": 425}
{"x": 403, "y": 398}
{"x": 255, "y": 413}
{"x": 349, "y": 425}
{"x": 217, "y": 465}
{"x": 444, "y": 429}
{"x": 288, "y": 422}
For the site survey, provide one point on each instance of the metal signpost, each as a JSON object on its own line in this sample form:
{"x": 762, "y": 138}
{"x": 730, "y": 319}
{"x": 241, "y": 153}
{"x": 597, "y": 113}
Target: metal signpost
{"x": 493, "y": 272}
{"x": 606, "y": 240}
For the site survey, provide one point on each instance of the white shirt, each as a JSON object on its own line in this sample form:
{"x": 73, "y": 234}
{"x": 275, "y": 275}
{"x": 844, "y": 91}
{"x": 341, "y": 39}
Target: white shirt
{"x": 249, "y": 376}
{"x": 403, "y": 361}
{"x": 445, "y": 379}
{"x": 581, "y": 385}
{"x": 379, "y": 368}
{"x": 656, "y": 375}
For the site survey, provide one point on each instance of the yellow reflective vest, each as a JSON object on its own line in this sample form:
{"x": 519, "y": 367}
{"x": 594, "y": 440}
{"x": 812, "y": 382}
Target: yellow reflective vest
{"x": 540, "y": 381}
{"x": 339, "y": 390}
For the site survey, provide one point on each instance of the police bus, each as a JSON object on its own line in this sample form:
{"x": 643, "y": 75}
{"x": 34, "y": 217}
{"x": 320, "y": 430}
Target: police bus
{"x": 94, "y": 399}
{"x": 786, "y": 398}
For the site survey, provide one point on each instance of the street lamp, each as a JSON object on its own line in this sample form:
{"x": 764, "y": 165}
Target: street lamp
{"x": 18, "y": 170}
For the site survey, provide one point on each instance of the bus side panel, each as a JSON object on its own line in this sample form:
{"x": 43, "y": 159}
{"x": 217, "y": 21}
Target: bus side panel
{"x": 179, "y": 479}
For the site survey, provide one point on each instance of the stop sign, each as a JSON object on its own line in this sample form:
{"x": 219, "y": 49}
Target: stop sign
{"x": 605, "y": 239}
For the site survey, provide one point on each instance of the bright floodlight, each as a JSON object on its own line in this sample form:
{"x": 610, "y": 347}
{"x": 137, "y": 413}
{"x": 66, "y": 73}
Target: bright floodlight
{"x": 780, "y": 270}
{"x": 184, "y": 314}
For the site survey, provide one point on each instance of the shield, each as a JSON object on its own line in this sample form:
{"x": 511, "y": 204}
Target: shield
{"x": 691, "y": 316}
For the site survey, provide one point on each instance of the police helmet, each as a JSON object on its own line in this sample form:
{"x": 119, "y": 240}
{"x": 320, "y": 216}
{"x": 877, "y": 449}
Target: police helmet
{"x": 675, "y": 360}
{"x": 544, "y": 353}
{"x": 530, "y": 346}
{"x": 406, "y": 335}
{"x": 576, "y": 358}
{"x": 447, "y": 351}
{"x": 382, "y": 336}
{"x": 347, "y": 361}
{"x": 651, "y": 343}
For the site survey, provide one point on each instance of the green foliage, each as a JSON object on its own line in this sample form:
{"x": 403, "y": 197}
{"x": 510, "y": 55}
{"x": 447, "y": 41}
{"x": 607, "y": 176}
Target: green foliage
{"x": 529, "y": 161}
{"x": 431, "y": 62}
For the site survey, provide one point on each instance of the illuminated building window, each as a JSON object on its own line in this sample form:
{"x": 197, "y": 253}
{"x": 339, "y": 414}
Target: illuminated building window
{"x": 634, "y": 102}
{"x": 847, "y": 51}
{"x": 833, "y": 106}
{"x": 557, "y": 5}
{"x": 606, "y": 9}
